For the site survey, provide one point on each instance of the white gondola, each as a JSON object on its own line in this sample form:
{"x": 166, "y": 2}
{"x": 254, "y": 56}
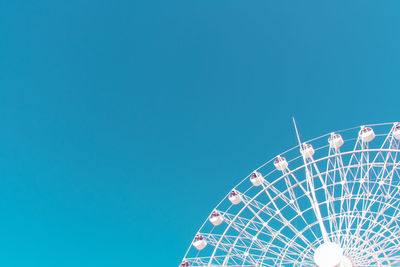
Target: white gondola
{"x": 396, "y": 131}
{"x": 280, "y": 163}
{"x": 235, "y": 197}
{"x": 216, "y": 218}
{"x": 307, "y": 150}
{"x": 256, "y": 178}
{"x": 335, "y": 141}
{"x": 199, "y": 242}
{"x": 366, "y": 134}
{"x": 185, "y": 263}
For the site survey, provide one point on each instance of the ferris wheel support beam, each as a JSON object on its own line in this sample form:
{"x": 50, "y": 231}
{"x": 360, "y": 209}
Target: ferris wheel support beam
{"x": 278, "y": 212}
{"x": 367, "y": 205}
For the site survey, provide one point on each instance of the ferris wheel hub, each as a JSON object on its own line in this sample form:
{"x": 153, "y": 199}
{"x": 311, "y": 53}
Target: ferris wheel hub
{"x": 329, "y": 255}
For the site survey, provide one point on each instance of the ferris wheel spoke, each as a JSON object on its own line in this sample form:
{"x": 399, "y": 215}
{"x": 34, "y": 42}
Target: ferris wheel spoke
{"x": 242, "y": 225}
{"x": 314, "y": 200}
{"x": 394, "y": 161}
{"x": 278, "y": 215}
{"x": 385, "y": 191}
{"x": 330, "y": 178}
{"x": 358, "y": 181}
{"x": 363, "y": 242}
{"x": 305, "y": 191}
{"x": 384, "y": 227}
{"x": 237, "y": 223}
{"x": 251, "y": 202}
{"x": 327, "y": 196}
{"x": 234, "y": 246}
{"x": 373, "y": 200}
{"x": 343, "y": 184}
{"x": 383, "y": 159}
{"x": 290, "y": 186}
{"x": 392, "y": 252}
{"x": 244, "y": 234}
{"x": 198, "y": 261}
{"x": 260, "y": 208}
{"x": 384, "y": 247}
{"x": 217, "y": 261}
{"x": 275, "y": 252}
{"x": 287, "y": 196}
{"x": 270, "y": 231}
{"x": 393, "y": 174}
{"x": 377, "y": 250}
{"x": 371, "y": 223}
{"x": 383, "y": 205}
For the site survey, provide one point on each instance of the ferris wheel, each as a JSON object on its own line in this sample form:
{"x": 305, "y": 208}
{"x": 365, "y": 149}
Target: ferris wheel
{"x": 333, "y": 201}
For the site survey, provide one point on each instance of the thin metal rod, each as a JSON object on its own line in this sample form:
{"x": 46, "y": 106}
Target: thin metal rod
{"x": 297, "y": 132}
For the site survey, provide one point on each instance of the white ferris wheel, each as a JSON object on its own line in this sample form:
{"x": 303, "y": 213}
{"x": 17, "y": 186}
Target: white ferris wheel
{"x": 333, "y": 201}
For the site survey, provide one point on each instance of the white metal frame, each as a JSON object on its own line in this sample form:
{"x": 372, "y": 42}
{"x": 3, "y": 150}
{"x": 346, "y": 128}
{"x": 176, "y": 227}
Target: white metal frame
{"x": 349, "y": 196}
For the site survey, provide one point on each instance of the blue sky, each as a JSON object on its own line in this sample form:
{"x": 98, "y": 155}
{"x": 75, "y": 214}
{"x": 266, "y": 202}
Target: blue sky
{"x": 124, "y": 123}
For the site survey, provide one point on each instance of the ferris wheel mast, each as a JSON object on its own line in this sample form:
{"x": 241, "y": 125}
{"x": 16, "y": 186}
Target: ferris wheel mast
{"x": 307, "y": 152}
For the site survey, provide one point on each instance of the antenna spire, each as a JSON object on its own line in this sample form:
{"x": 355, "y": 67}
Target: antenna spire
{"x": 297, "y": 132}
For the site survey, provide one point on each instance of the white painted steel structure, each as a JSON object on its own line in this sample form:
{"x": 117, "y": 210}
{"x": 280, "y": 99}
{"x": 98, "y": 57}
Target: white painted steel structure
{"x": 331, "y": 201}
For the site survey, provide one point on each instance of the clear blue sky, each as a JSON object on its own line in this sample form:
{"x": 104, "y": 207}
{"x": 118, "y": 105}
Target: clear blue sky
{"x": 123, "y": 123}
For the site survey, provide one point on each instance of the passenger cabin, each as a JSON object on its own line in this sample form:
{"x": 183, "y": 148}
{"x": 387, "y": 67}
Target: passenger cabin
{"x": 366, "y": 134}
{"x": 256, "y": 178}
{"x": 280, "y": 163}
{"x": 396, "y": 131}
{"x": 307, "y": 150}
{"x": 335, "y": 141}
{"x": 235, "y": 197}
{"x": 216, "y": 218}
{"x": 185, "y": 263}
{"x": 199, "y": 242}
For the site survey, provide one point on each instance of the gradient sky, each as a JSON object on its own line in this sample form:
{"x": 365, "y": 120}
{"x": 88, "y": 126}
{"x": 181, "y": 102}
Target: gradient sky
{"x": 124, "y": 123}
